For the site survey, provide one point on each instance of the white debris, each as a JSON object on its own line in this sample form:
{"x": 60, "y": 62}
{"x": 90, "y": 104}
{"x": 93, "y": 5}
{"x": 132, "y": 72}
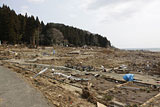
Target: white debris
{"x": 102, "y": 67}
{"x": 69, "y": 76}
{"x": 40, "y": 72}
{"x": 123, "y": 67}
{"x": 53, "y": 69}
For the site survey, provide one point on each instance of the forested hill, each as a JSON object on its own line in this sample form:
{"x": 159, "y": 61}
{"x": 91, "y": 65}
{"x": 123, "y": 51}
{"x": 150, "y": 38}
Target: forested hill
{"x": 15, "y": 29}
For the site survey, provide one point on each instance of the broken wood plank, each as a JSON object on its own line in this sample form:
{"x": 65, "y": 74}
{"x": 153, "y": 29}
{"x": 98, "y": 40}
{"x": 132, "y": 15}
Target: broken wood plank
{"x": 100, "y": 105}
{"x": 131, "y": 88}
{"x": 117, "y": 103}
{"x": 118, "y": 86}
{"x": 150, "y": 100}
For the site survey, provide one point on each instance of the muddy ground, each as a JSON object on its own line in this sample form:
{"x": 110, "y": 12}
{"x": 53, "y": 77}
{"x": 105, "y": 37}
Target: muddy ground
{"x": 83, "y": 76}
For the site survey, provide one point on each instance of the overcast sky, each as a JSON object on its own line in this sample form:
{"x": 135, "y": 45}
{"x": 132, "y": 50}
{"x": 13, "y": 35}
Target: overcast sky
{"x": 126, "y": 23}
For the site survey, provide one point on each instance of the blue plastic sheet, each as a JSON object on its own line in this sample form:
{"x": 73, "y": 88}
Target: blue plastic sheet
{"x": 128, "y": 77}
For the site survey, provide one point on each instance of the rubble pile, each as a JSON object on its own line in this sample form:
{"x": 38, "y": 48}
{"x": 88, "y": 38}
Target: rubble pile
{"x": 89, "y": 76}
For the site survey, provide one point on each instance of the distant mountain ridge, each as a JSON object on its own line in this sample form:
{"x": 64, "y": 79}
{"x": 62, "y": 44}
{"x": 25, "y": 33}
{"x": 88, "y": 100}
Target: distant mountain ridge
{"x": 29, "y": 30}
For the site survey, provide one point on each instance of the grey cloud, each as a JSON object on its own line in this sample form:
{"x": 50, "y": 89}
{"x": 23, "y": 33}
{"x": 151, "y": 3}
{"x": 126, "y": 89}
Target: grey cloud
{"x": 118, "y": 9}
{"x": 101, "y": 3}
{"x": 120, "y": 16}
{"x": 96, "y": 4}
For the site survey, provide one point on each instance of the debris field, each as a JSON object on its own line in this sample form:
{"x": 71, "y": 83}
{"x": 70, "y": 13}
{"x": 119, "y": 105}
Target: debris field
{"x": 88, "y": 76}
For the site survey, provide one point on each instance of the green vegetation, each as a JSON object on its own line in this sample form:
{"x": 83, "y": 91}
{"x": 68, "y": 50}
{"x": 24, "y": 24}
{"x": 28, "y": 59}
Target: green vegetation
{"x": 16, "y": 29}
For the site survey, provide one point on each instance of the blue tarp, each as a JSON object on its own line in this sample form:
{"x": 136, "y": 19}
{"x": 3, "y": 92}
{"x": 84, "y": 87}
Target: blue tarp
{"x": 128, "y": 77}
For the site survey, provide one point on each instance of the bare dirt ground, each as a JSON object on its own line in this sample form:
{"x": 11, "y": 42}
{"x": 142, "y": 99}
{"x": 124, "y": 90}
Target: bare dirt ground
{"x": 83, "y": 76}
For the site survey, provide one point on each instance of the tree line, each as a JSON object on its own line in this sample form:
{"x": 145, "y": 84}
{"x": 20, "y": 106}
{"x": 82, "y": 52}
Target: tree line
{"x": 20, "y": 29}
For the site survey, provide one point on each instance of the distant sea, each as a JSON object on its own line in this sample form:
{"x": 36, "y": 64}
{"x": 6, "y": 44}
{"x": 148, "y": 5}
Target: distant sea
{"x": 144, "y": 49}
